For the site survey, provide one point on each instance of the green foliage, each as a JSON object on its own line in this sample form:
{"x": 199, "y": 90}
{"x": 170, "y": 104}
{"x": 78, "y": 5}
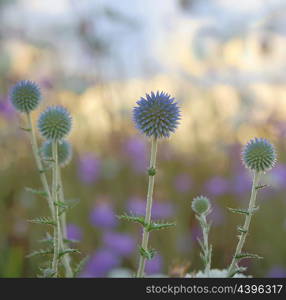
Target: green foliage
{"x": 244, "y": 255}
{"x": 47, "y": 251}
{"x": 147, "y": 253}
{"x": 68, "y": 251}
{"x": 43, "y": 220}
{"x": 80, "y": 266}
{"x": 158, "y": 226}
{"x": 36, "y": 192}
{"x": 132, "y": 218}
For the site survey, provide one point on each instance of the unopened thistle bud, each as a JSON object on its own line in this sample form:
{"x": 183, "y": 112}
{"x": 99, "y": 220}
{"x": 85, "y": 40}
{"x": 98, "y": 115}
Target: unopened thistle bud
{"x": 201, "y": 205}
{"x": 25, "y": 96}
{"x": 64, "y": 152}
{"x": 259, "y": 155}
{"x": 54, "y": 123}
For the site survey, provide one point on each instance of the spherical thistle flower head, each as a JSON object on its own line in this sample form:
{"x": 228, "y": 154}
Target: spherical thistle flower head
{"x": 259, "y": 155}
{"x": 25, "y": 96}
{"x": 54, "y": 123}
{"x": 201, "y": 205}
{"x": 157, "y": 115}
{"x": 64, "y": 152}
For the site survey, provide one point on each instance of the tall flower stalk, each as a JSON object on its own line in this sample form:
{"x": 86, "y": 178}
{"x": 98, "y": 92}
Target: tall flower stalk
{"x": 54, "y": 124}
{"x": 156, "y": 116}
{"x": 259, "y": 156}
{"x": 147, "y": 220}
{"x": 201, "y": 206}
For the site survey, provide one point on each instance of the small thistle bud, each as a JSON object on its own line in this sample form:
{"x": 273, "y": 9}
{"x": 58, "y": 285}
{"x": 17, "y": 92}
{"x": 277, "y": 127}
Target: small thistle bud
{"x": 157, "y": 115}
{"x": 201, "y": 205}
{"x": 54, "y": 123}
{"x": 25, "y": 96}
{"x": 259, "y": 155}
{"x": 64, "y": 152}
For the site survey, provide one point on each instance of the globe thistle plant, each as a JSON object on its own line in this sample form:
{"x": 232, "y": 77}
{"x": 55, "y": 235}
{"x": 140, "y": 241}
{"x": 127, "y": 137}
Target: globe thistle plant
{"x": 157, "y": 115}
{"x": 55, "y": 123}
{"x": 202, "y": 207}
{"x": 258, "y": 156}
{"x": 25, "y": 96}
{"x": 64, "y": 152}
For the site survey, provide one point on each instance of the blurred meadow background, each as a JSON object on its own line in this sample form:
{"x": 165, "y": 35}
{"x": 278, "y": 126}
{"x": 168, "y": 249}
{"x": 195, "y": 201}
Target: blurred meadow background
{"x": 225, "y": 63}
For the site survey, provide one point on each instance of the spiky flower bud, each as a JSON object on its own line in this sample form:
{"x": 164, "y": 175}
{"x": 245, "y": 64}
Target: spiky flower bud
{"x": 201, "y": 205}
{"x": 259, "y": 155}
{"x": 25, "y": 96}
{"x": 157, "y": 115}
{"x": 64, "y": 152}
{"x": 54, "y": 123}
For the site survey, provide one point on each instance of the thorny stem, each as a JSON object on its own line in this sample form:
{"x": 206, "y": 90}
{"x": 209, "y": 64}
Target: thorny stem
{"x": 145, "y": 238}
{"x": 66, "y": 257}
{"x": 245, "y": 228}
{"x": 57, "y": 229}
{"x": 39, "y": 164}
{"x": 206, "y": 247}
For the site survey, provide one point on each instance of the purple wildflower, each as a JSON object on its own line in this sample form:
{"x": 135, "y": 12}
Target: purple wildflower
{"x": 103, "y": 215}
{"x": 89, "y": 168}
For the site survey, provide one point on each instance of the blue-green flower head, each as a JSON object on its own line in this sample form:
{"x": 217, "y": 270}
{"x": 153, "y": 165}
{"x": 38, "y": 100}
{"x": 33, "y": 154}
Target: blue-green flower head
{"x": 201, "y": 205}
{"x": 259, "y": 155}
{"x": 55, "y": 123}
{"x": 25, "y": 96}
{"x": 64, "y": 152}
{"x": 157, "y": 115}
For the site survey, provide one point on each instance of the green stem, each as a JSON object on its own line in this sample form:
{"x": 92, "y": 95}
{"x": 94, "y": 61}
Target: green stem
{"x": 39, "y": 164}
{"x": 206, "y": 249}
{"x": 57, "y": 229}
{"x": 145, "y": 238}
{"x": 66, "y": 257}
{"x": 245, "y": 228}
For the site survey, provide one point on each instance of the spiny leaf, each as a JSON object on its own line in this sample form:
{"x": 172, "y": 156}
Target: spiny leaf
{"x": 239, "y": 210}
{"x": 25, "y": 129}
{"x": 47, "y": 273}
{"x": 261, "y": 186}
{"x": 43, "y": 220}
{"x": 237, "y": 270}
{"x": 158, "y": 226}
{"x": 247, "y": 255}
{"x": 148, "y": 254}
{"x": 36, "y": 192}
{"x": 67, "y": 251}
{"x": 132, "y": 218}
{"x": 40, "y": 252}
{"x": 80, "y": 266}
{"x": 241, "y": 229}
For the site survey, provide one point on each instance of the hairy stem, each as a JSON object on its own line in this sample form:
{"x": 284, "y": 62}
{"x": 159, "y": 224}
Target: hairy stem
{"x": 145, "y": 238}
{"x": 206, "y": 247}
{"x": 66, "y": 257}
{"x": 39, "y": 164}
{"x": 57, "y": 229}
{"x": 245, "y": 228}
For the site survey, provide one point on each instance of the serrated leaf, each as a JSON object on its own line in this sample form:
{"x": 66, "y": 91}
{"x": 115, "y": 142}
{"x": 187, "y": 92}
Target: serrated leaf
{"x": 237, "y": 270}
{"x": 132, "y": 218}
{"x": 68, "y": 251}
{"x": 158, "y": 226}
{"x": 148, "y": 254}
{"x": 239, "y": 210}
{"x": 43, "y": 220}
{"x": 41, "y": 252}
{"x": 47, "y": 273}
{"x": 241, "y": 229}
{"x": 36, "y": 192}
{"x": 80, "y": 266}
{"x": 25, "y": 129}
{"x": 247, "y": 255}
